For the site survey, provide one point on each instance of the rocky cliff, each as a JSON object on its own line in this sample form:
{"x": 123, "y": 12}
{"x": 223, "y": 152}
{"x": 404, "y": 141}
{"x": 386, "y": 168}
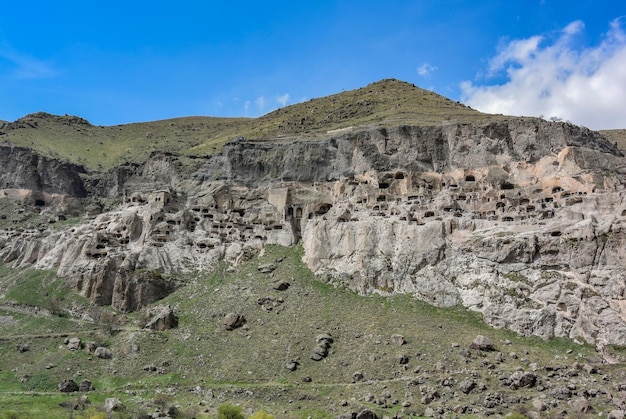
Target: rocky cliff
{"x": 520, "y": 219}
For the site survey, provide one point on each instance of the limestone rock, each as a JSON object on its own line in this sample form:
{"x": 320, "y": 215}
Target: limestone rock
{"x": 113, "y": 405}
{"x": 366, "y": 414}
{"x": 233, "y": 320}
{"x": 86, "y": 386}
{"x": 267, "y": 268}
{"x": 582, "y": 405}
{"x": 162, "y": 318}
{"x": 74, "y": 344}
{"x": 68, "y": 386}
{"x": 502, "y": 217}
{"x": 397, "y": 340}
{"x": 103, "y": 353}
{"x": 482, "y": 343}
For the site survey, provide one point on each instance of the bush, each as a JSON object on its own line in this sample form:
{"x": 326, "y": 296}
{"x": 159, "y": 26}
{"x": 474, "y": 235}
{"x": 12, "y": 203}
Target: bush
{"x": 228, "y": 411}
{"x": 261, "y": 415}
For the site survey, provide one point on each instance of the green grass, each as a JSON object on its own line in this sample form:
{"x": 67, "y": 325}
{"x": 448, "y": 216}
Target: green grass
{"x": 617, "y": 136}
{"x": 251, "y": 360}
{"x": 383, "y": 104}
{"x": 40, "y": 288}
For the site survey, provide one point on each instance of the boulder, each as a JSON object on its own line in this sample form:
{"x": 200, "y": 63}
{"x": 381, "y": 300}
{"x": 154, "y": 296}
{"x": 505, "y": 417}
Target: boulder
{"x": 582, "y": 405}
{"x": 162, "y": 318}
{"x": 539, "y": 405}
{"x": 68, "y": 386}
{"x": 267, "y": 268}
{"x": 113, "y": 405}
{"x": 324, "y": 338}
{"x": 397, "y": 340}
{"x": 280, "y": 285}
{"x": 482, "y": 343}
{"x": 103, "y": 353}
{"x": 366, "y": 414}
{"x": 522, "y": 379}
{"x": 74, "y": 344}
{"x": 85, "y": 386}
{"x": 467, "y": 386}
{"x": 233, "y": 320}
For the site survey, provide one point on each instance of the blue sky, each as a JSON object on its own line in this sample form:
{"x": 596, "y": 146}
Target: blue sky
{"x": 116, "y": 62}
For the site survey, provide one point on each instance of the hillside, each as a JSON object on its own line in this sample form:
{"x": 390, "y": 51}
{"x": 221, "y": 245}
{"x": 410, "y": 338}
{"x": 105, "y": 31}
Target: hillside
{"x": 385, "y": 103}
{"x": 329, "y": 259}
{"x": 617, "y": 136}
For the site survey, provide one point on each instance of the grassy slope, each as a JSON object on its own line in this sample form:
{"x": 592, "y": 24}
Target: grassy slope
{"x": 385, "y": 103}
{"x": 247, "y": 366}
{"x": 617, "y": 136}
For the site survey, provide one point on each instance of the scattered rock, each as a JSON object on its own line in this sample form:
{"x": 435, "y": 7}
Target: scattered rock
{"x": 366, "y": 414}
{"x": 267, "y": 268}
{"x": 482, "y": 343}
{"x": 113, "y": 405}
{"x": 492, "y": 400}
{"x": 522, "y": 379}
{"x": 582, "y": 405}
{"x": 316, "y": 357}
{"x": 162, "y": 318}
{"x": 68, "y": 386}
{"x": 397, "y": 340}
{"x": 280, "y": 285}
{"x": 74, "y": 344}
{"x": 357, "y": 376}
{"x": 560, "y": 393}
{"x": 103, "y": 353}
{"x": 590, "y": 369}
{"x": 292, "y": 365}
{"x": 616, "y": 414}
{"x": 91, "y": 346}
{"x": 540, "y": 405}
{"x": 324, "y": 337}
{"x": 466, "y": 386}
{"x": 85, "y": 386}
{"x": 233, "y": 320}
{"x": 23, "y": 347}
{"x": 320, "y": 351}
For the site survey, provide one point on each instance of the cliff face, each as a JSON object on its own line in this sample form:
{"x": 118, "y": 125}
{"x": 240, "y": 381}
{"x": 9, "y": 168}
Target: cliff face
{"x": 522, "y": 220}
{"x": 24, "y": 169}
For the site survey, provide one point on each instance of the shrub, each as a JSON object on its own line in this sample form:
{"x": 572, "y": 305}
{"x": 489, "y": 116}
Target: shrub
{"x": 261, "y": 415}
{"x": 228, "y": 411}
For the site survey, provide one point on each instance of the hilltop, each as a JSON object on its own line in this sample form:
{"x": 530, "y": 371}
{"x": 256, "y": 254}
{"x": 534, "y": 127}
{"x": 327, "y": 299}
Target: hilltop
{"x": 382, "y": 104}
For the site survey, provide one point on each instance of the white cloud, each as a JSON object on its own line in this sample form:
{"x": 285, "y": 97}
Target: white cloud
{"x": 260, "y": 103}
{"x": 425, "y": 69}
{"x": 282, "y": 100}
{"x": 553, "y": 77}
{"x": 26, "y": 67}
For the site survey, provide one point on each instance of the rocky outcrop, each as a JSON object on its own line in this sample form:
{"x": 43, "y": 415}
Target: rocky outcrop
{"x": 521, "y": 219}
{"x": 37, "y": 179}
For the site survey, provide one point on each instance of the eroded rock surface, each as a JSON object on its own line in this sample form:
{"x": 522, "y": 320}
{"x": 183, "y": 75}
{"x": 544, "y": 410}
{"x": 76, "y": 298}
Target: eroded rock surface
{"x": 521, "y": 220}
